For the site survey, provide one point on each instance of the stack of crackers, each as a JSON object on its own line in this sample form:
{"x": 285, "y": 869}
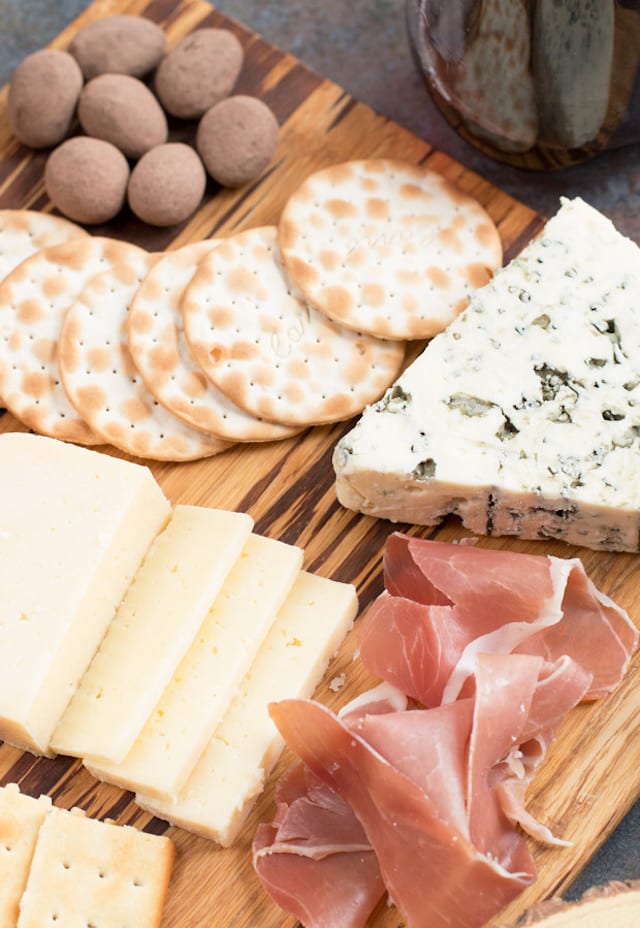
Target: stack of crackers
{"x": 250, "y": 338}
{"x": 63, "y": 867}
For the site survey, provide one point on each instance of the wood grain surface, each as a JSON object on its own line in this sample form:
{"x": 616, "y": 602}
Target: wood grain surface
{"x": 590, "y": 778}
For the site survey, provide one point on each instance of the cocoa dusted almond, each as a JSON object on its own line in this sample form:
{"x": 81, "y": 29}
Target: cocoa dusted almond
{"x": 86, "y": 179}
{"x": 201, "y": 70}
{"x": 43, "y": 94}
{"x": 119, "y": 45}
{"x": 167, "y": 185}
{"x": 122, "y": 110}
{"x": 236, "y": 139}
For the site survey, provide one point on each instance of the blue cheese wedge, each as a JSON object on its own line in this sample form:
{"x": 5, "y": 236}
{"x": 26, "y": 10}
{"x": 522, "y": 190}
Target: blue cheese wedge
{"x": 523, "y": 417}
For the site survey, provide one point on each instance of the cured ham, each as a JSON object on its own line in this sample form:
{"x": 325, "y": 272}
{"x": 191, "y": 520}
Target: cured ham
{"x": 428, "y": 801}
{"x": 315, "y": 859}
{"x": 446, "y": 603}
{"x": 432, "y": 871}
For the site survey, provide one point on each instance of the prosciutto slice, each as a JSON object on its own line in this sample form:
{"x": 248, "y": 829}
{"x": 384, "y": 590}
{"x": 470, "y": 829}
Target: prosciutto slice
{"x": 315, "y": 859}
{"x": 432, "y": 871}
{"x": 428, "y": 801}
{"x": 444, "y": 604}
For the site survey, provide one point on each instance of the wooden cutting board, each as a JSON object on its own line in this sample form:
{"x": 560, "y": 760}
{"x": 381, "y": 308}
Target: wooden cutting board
{"x": 590, "y": 778}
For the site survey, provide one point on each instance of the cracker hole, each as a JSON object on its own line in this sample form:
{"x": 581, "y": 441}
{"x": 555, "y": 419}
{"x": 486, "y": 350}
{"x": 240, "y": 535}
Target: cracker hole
{"x": 8, "y": 848}
{"x": 66, "y": 865}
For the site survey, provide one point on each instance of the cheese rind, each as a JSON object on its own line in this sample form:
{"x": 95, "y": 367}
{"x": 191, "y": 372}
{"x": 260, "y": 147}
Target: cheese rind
{"x": 151, "y": 631}
{"x": 205, "y": 683}
{"x": 523, "y": 417}
{"x": 74, "y": 528}
{"x": 20, "y": 819}
{"x": 218, "y": 795}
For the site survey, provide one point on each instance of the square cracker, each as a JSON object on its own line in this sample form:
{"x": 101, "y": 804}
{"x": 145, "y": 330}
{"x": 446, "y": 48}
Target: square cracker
{"x": 95, "y": 874}
{"x": 20, "y": 820}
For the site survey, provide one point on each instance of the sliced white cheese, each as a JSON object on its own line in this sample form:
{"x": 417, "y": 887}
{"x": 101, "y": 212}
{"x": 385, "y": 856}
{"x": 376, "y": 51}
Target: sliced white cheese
{"x": 231, "y": 772}
{"x": 74, "y": 528}
{"x": 523, "y": 417}
{"x": 205, "y": 683}
{"x": 20, "y": 819}
{"x": 155, "y": 624}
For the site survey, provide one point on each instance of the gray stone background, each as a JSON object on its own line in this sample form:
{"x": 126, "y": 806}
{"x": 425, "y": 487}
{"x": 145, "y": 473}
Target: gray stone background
{"x": 362, "y": 45}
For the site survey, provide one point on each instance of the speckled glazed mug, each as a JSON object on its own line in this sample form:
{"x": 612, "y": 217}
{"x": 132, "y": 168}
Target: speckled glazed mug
{"x": 537, "y": 83}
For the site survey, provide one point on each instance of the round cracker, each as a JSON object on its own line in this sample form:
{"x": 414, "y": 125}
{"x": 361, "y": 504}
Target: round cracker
{"x": 161, "y": 354}
{"x": 100, "y": 378}
{"x": 25, "y": 231}
{"x": 34, "y": 299}
{"x": 259, "y": 342}
{"x": 388, "y": 248}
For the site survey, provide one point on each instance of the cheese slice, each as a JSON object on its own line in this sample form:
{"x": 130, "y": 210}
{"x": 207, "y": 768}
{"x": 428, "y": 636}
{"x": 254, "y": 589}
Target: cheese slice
{"x": 189, "y": 710}
{"x": 151, "y": 632}
{"x": 74, "y": 528}
{"x": 218, "y": 795}
{"x": 20, "y": 819}
{"x": 523, "y": 417}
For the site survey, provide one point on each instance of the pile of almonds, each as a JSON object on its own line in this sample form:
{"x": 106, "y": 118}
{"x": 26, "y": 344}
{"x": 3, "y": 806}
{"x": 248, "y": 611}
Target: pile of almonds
{"x": 125, "y": 153}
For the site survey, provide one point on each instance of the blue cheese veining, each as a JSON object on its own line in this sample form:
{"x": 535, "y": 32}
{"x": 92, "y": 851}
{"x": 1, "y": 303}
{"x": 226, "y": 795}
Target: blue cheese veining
{"x": 523, "y": 417}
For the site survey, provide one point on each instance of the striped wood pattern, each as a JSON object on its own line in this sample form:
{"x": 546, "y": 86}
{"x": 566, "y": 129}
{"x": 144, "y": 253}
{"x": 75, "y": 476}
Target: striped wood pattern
{"x": 590, "y": 778}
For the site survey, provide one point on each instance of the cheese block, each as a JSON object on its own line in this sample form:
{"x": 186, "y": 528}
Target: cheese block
{"x": 74, "y": 528}
{"x": 523, "y": 417}
{"x": 231, "y": 772}
{"x": 20, "y": 819}
{"x": 156, "y": 622}
{"x": 203, "y": 686}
